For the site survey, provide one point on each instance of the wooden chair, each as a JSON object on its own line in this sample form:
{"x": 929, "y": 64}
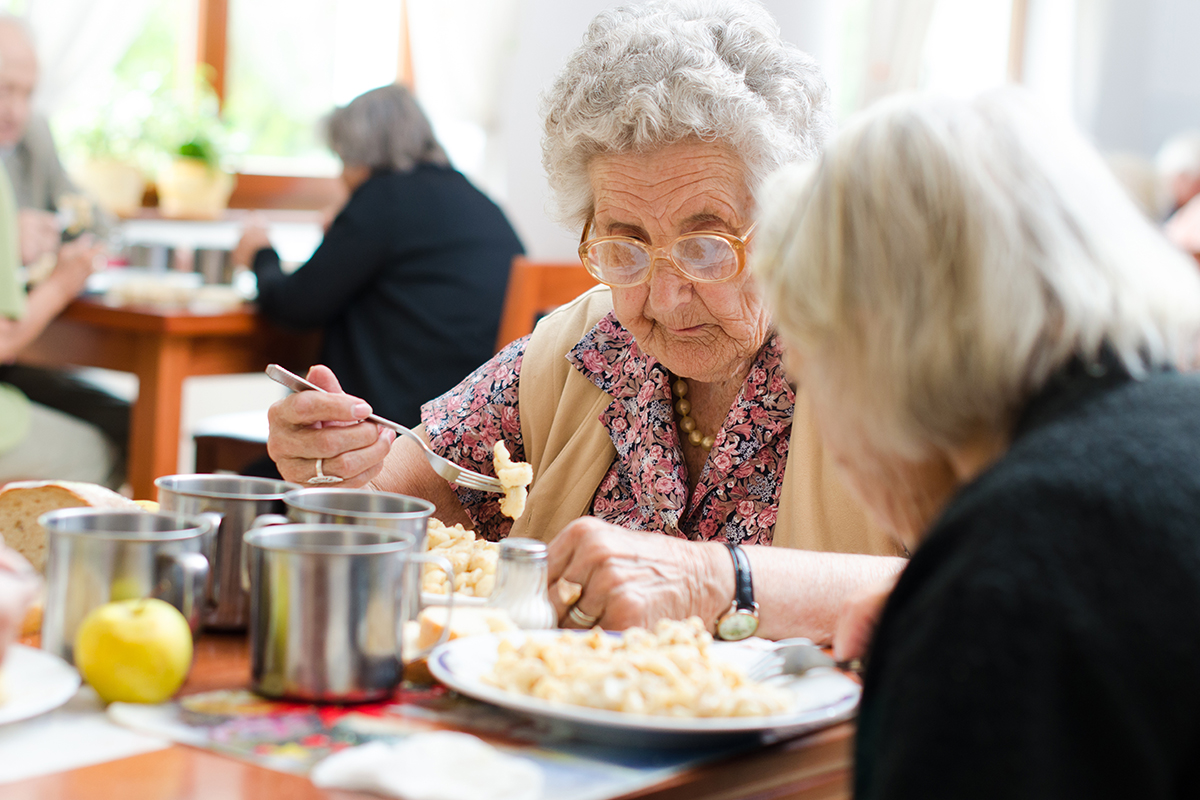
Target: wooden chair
{"x": 534, "y": 290}
{"x": 230, "y": 442}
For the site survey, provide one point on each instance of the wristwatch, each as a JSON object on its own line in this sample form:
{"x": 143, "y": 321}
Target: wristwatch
{"x": 741, "y": 620}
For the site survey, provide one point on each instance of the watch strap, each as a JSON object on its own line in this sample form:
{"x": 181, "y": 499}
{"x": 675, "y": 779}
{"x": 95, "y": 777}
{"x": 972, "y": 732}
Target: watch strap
{"x": 743, "y": 592}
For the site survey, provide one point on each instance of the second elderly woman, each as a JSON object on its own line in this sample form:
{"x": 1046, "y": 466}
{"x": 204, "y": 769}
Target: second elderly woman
{"x": 657, "y": 404}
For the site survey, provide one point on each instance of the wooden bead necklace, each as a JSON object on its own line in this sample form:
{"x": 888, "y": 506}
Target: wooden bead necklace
{"x": 687, "y": 425}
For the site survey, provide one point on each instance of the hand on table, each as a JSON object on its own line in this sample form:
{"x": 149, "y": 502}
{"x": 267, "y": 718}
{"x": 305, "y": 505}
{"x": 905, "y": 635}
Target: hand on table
{"x": 76, "y": 261}
{"x": 37, "y": 232}
{"x": 254, "y": 238}
{"x": 859, "y": 616}
{"x": 628, "y": 578}
{"x": 19, "y": 585}
{"x": 307, "y": 426}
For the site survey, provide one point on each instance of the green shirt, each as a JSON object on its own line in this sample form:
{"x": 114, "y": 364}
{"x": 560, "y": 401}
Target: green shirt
{"x": 14, "y": 406}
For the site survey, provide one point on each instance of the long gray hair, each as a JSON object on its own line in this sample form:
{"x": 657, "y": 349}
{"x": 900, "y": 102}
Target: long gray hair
{"x": 651, "y": 75}
{"x": 384, "y": 129}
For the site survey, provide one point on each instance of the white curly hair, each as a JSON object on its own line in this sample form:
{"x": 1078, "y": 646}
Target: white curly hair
{"x": 666, "y": 71}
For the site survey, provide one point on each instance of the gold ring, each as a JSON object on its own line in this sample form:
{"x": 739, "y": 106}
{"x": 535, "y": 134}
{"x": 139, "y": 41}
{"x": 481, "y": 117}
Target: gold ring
{"x": 580, "y": 618}
{"x": 321, "y": 478}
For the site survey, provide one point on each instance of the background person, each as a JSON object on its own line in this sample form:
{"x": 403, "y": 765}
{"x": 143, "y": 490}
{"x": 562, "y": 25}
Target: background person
{"x": 657, "y": 132}
{"x": 1003, "y": 309}
{"x": 38, "y": 441}
{"x": 409, "y": 281}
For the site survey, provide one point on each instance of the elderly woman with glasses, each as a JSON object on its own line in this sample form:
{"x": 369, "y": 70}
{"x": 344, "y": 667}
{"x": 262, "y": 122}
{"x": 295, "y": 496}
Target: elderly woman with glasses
{"x": 656, "y": 406}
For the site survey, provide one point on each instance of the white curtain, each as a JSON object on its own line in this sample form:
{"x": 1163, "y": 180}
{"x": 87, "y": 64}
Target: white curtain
{"x": 896, "y": 31}
{"x": 461, "y": 50}
{"x": 78, "y": 43}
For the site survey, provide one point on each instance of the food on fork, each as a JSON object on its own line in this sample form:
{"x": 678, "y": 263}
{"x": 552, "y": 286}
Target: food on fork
{"x": 474, "y": 561}
{"x": 515, "y": 477}
{"x": 668, "y": 672}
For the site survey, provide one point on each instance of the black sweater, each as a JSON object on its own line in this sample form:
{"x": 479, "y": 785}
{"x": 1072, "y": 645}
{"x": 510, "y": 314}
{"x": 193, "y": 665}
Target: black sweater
{"x": 1044, "y": 641}
{"x": 408, "y": 285}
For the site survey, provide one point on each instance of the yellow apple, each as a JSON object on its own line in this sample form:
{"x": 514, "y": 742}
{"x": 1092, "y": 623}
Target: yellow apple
{"x": 134, "y": 651}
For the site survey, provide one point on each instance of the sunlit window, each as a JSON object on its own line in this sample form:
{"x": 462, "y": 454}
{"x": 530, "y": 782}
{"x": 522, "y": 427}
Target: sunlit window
{"x": 289, "y": 63}
{"x": 966, "y": 48}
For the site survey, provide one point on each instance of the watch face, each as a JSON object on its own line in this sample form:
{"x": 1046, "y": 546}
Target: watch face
{"x": 737, "y": 625}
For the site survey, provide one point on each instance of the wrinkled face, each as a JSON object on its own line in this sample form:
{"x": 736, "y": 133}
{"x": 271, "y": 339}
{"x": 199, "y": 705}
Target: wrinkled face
{"x": 18, "y": 77}
{"x": 704, "y": 331}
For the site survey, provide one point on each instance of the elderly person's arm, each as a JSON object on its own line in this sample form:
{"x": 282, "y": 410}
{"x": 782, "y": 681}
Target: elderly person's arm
{"x": 632, "y": 578}
{"x": 49, "y": 297}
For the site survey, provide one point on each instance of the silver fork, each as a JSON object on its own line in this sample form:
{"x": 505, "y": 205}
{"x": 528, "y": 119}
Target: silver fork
{"x": 796, "y": 657}
{"x": 442, "y": 466}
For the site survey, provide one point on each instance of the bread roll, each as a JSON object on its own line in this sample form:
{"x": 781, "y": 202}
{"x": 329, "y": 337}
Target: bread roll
{"x": 22, "y": 502}
{"x": 468, "y": 621}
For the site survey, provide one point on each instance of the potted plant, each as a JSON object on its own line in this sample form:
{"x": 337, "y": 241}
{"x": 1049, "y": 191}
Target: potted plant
{"x": 192, "y": 183}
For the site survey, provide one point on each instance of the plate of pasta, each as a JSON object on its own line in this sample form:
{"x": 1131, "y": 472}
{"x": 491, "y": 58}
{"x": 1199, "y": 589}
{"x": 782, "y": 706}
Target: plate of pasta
{"x": 672, "y": 682}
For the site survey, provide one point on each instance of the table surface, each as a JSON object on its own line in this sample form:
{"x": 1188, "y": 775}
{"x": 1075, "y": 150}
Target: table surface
{"x": 164, "y": 346}
{"x": 814, "y": 767}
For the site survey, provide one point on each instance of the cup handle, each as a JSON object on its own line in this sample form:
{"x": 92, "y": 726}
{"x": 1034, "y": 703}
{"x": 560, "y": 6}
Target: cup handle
{"x": 261, "y": 521}
{"x": 182, "y": 584}
{"x": 212, "y": 587}
{"x": 444, "y": 565}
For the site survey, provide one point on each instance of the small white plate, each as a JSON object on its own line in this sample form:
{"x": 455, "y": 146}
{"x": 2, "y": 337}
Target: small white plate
{"x": 34, "y": 682}
{"x": 821, "y": 697}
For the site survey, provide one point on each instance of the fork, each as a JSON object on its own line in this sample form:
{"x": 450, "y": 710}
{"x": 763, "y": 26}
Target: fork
{"x": 447, "y": 469}
{"x": 796, "y": 657}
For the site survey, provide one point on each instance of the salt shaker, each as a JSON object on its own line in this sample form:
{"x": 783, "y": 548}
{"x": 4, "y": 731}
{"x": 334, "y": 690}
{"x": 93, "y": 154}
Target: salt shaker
{"x": 521, "y": 584}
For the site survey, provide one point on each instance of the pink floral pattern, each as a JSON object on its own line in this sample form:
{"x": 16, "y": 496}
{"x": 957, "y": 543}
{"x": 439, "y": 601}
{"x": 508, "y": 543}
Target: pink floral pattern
{"x": 737, "y": 496}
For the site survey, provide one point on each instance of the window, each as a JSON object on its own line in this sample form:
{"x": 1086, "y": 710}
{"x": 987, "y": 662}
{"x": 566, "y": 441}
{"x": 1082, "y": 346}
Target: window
{"x": 289, "y": 63}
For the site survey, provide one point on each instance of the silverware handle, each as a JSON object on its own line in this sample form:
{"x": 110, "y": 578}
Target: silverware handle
{"x": 297, "y": 384}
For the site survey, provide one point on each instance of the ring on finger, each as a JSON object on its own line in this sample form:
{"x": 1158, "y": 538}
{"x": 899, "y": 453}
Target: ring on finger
{"x": 576, "y": 616}
{"x": 321, "y": 478}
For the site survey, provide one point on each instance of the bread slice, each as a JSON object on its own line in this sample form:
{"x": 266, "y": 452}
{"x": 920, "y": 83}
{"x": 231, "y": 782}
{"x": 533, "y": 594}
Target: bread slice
{"x": 22, "y": 502}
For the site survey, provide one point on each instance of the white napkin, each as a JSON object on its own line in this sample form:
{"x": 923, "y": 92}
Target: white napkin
{"x": 444, "y": 765}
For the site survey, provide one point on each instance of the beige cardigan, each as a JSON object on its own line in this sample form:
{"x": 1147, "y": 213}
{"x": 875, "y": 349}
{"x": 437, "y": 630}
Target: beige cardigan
{"x": 570, "y": 450}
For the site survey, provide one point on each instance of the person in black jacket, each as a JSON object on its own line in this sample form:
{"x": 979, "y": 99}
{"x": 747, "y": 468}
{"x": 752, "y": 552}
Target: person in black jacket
{"x": 990, "y": 332}
{"x": 409, "y": 280}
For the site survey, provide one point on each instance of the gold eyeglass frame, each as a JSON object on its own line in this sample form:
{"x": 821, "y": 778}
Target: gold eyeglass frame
{"x": 738, "y": 243}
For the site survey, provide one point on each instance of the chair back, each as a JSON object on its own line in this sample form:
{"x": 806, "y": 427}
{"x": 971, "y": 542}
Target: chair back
{"x": 535, "y": 289}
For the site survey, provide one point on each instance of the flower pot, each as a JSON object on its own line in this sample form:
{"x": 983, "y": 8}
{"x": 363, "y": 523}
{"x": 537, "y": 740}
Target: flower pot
{"x": 117, "y": 186}
{"x": 189, "y": 188}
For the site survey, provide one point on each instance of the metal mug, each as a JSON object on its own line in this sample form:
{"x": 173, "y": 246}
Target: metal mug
{"x": 95, "y": 556}
{"x": 238, "y": 501}
{"x": 382, "y": 510}
{"x": 326, "y": 610}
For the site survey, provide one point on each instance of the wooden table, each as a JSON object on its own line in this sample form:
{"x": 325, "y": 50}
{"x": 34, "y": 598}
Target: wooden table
{"x": 163, "y": 346}
{"x": 814, "y": 767}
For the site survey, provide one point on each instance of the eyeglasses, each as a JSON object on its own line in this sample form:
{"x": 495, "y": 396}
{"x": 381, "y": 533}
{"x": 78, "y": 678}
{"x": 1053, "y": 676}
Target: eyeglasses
{"x": 702, "y": 256}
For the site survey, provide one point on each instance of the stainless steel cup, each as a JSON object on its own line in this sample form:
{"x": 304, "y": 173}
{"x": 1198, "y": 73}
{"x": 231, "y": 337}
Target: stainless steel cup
{"x": 238, "y": 501}
{"x": 326, "y": 610}
{"x": 382, "y": 510}
{"x": 95, "y": 556}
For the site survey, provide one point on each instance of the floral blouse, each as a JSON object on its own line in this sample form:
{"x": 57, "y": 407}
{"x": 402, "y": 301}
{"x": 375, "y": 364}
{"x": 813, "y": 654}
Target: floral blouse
{"x": 737, "y": 497}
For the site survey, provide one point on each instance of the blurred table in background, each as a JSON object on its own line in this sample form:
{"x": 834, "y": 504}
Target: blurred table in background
{"x": 163, "y": 346}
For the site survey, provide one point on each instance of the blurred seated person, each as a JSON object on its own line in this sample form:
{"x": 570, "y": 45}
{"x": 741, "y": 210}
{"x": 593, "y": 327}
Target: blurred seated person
{"x": 38, "y": 441}
{"x": 38, "y": 179}
{"x": 38, "y": 183}
{"x": 1002, "y": 308}
{"x": 1178, "y": 166}
{"x": 409, "y": 280}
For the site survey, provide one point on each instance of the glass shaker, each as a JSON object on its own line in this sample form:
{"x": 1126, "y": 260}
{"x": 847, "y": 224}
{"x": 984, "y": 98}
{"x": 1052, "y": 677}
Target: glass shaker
{"x": 521, "y": 584}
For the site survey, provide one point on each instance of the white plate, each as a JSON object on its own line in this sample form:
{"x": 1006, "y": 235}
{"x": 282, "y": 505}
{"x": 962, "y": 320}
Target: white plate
{"x": 821, "y": 697}
{"x": 433, "y": 599}
{"x": 35, "y": 682}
